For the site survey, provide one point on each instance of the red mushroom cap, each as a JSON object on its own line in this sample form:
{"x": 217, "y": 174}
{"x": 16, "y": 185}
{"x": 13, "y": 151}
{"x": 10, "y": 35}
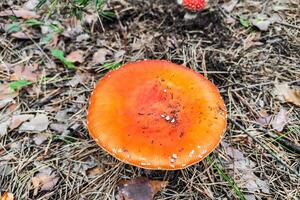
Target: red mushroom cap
{"x": 194, "y": 5}
{"x": 156, "y": 115}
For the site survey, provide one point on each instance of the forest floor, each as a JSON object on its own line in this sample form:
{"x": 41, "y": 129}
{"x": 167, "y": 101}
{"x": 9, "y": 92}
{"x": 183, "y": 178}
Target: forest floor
{"x": 249, "y": 49}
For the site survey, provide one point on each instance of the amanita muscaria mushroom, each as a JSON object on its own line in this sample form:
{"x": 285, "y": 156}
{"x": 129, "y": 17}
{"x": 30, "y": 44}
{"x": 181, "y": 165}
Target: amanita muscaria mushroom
{"x": 192, "y": 5}
{"x": 156, "y": 115}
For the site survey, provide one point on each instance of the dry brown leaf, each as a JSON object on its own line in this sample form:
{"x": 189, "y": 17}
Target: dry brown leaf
{"x": 72, "y": 28}
{"x": 76, "y": 56}
{"x": 17, "y": 120}
{"x": 285, "y": 93}
{"x": 100, "y": 56}
{"x": 244, "y": 168}
{"x": 40, "y": 138}
{"x": 44, "y": 181}
{"x": 229, "y": 6}
{"x": 53, "y": 42}
{"x": 7, "y": 92}
{"x": 280, "y": 120}
{"x": 3, "y": 127}
{"x": 139, "y": 188}
{"x": 80, "y": 77}
{"x": 25, "y": 72}
{"x": 265, "y": 120}
{"x": 23, "y": 13}
{"x": 7, "y": 196}
{"x": 23, "y": 35}
{"x": 251, "y": 40}
{"x": 94, "y": 171}
{"x": 39, "y": 123}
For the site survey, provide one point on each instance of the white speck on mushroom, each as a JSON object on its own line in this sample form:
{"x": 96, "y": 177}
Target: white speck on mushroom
{"x": 114, "y": 151}
{"x": 120, "y": 150}
{"x": 200, "y": 156}
{"x": 109, "y": 76}
{"x": 96, "y": 140}
{"x": 163, "y": 116}
{"x": 143, "y": 163}
{"x": 173, "y": 120}
{"x": 191, "y": 153}
{"x": 174, "y": 155}
{"x": 204, "y": 151}
{"x": 199, "y": 147}
{"x": 165, "y": 90}
{"x": 172, "y": 160}
{"x": 172, "y": 166}
{"x": 183, "y": 165}
{"x": 168, "y": 118}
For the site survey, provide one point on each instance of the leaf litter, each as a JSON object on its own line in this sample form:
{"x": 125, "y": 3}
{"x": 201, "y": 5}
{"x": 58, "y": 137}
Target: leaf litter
{"x": 243, "y": 169}
{"x": 285, "y": 93}
{"x": 140, "y": 188}
{"x": 44, "y": 180}
{"x": 39, "y": 123}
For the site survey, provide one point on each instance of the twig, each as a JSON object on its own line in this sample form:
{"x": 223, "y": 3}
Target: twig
{"x": 285, "y": 142}
{"x": 265, "y": 147}
{"x": 287, "y": 24}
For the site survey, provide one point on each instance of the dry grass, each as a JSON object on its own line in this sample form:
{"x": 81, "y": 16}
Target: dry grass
{"x": 156, "y": 30}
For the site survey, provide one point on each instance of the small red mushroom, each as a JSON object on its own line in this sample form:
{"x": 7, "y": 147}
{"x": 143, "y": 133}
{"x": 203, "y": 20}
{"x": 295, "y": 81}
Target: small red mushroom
{"x": 156, "y": 115}
{"x": 193, "y": 6}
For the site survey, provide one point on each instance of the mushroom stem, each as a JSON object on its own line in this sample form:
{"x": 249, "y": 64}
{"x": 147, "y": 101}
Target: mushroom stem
{"x": 180, "y": 2}
{"x": 190, "y": 16}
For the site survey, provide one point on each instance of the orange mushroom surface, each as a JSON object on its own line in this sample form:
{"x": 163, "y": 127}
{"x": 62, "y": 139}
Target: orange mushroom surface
{"x": 156, "y": 115}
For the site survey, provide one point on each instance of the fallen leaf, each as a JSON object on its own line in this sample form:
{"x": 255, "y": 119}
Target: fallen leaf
{"x": 80, "y": 77}
{"x": 266, "y": 120}
{"x": 17, "y": 120}
{"x": 4, "y": 102}
{"x": 61, "y": 115}
{"x": 22, "y": 13}
{"x": 30, "y": 4}
{"x": 82, "y": 37}
{"x": 23, "y": 35}
{"x": 40, "y": 138}
{"x": 262, "y": 25}
{"x": 99, "y": 56}
{"x": 280, "y": 120}
{"x": 139, "y": 188}
{"x": 243, "y": 169}
{"x": 285, "y": 93}
{"x": 45, "y": 180}
{"x": 25, "y": 72}
{"x": 39, "y": 123}
{"x": 251, "y": 40}
{"x": 3, "y": 127}
{"x": 6, "y": 92}
{"x": 7, "y": 196}
{"x": 76, "y": 56}
{"x": 229, "y": 6}
{"x": 94, "y": 171}
{"x": 60, "y": 128}
{"x": 73, "y": 27}
{"x": 262, "y": 22}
